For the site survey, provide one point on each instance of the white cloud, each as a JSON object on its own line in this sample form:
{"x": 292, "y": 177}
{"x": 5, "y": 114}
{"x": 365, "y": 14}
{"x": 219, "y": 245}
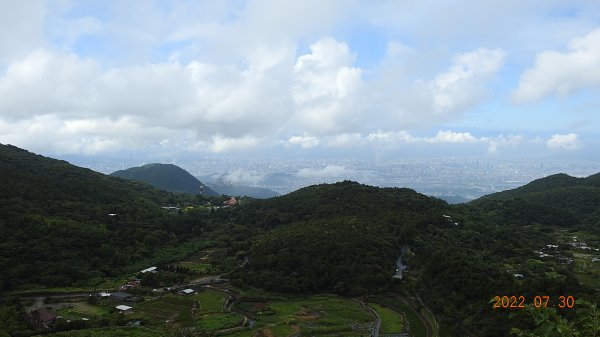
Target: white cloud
{"x": 329, "y": 171}
{"x": 325, "y": 83}
{"x": 452, "y": 137}
{"x": 224, "y": 107}
{"x": 388, "y": 137}
{"x": 495, "y": 143}
{"x": 405, "y": 99}
{"x": 240, "y": 177}
{"x": 305, "y": 141}
{"x": 562, "y": 73}
{"x": 21, "y": 28}
{"x": 568, "y": 141}
{"x": 220, "y": 144}
{"x": 462, "y": 84}
{"x": 345, "y": 139}
{"x": 217, "y": 76}
{"x": 47, "y": 83}
{"x": 405, "y": 137}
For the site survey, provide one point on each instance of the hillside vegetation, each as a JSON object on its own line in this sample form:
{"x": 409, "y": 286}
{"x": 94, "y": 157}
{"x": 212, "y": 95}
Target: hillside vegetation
{"x": 64, "y": 225}
{"x": 565, "y": 200}
{"x": 345, "y": 238}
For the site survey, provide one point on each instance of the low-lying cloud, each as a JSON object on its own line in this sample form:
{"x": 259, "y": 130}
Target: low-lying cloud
{"x": 239, "y": 177}
{"x": 329, "y": 171}
{"x": 568, "y": 142}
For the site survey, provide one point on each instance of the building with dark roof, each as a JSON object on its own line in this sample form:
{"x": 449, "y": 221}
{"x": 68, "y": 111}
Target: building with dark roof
{"x": 41, "y": 318}
{"x": 120, "y": 296}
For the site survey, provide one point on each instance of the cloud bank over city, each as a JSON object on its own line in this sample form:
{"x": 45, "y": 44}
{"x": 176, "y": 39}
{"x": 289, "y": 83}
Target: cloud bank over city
{"x": 224, "y": 77}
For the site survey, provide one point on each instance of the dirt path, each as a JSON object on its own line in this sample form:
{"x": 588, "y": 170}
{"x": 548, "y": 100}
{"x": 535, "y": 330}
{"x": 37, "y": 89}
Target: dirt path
{"x": 37, "y": 303}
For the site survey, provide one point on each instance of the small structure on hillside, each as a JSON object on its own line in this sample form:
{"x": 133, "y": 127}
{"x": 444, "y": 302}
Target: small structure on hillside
{"x": 188, "y": 291}
{"x": 149, "y": 270}
{"x": 41, "y": 318}
{"x": 231, "y": 202}
{"x": 120, "y": 296}
{"x": 124, "y": 309}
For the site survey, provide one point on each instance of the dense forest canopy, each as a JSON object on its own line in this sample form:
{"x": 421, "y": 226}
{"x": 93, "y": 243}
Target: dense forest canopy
{"x": 62, "y": 224}
{"x": 569, "y": 200}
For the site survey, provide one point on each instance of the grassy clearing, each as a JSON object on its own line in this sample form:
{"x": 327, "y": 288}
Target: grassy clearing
{"x": 318, "y": 315}
{"x": 588, "y": 280}
{"x": 200, "y": 268}
{"x": 217, "y": 321}
{"x": 415, "y": 325}
{"x": 83, "y": 310}
{"x": 179, "y": 308}
{"x": 391, "y": 320}
{"x": 282, "y": 330}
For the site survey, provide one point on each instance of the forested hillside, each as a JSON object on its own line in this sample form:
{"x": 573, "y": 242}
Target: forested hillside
{"x": 565, "y": 200}
{"x": 167, "y": 177}
{"x": 63, "y": 225}
{"x": 345, "y": 237}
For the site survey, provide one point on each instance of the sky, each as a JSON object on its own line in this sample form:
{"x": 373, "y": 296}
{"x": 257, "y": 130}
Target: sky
{"x": 301, "y": 78}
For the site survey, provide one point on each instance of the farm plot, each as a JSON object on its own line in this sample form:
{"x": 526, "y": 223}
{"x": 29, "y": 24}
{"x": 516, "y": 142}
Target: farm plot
{"x": 318, "y": 315}
{"x": 392, "y": 322}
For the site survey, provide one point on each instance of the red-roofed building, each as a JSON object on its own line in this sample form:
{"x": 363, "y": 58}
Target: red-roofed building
{"x": 231, "y": 202}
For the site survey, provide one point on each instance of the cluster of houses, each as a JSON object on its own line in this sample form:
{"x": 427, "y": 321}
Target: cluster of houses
{"x": 551, "y": 248}
{"x": 575, "y": 243}
{"x": 43, "y": 318}
{"x": 231, "y": 202}
{"x": 581, "y": 245}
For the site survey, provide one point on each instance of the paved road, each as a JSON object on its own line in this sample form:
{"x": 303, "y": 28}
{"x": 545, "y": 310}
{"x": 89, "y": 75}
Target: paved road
{"x": 377, "y": 326}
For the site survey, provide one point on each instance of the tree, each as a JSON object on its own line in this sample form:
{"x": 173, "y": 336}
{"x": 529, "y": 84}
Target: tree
{"x": 548, "y": 323}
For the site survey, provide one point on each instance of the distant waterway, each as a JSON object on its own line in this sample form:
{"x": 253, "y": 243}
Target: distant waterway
{"x": 400, "y": 266}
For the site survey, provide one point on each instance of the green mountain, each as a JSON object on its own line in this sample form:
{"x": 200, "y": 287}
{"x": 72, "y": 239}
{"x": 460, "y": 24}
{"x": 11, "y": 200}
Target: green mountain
{"x": 167, "y": 177}
{"x": 345, "y": 238}
{"x": 342, "y": 238}
{"x": 64, "y": 225}
{"x": 560, "y": 198}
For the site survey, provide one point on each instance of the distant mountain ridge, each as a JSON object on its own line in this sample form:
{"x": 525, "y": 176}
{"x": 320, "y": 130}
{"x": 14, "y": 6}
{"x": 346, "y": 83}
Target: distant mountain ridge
{"x": 167, "y": 177}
